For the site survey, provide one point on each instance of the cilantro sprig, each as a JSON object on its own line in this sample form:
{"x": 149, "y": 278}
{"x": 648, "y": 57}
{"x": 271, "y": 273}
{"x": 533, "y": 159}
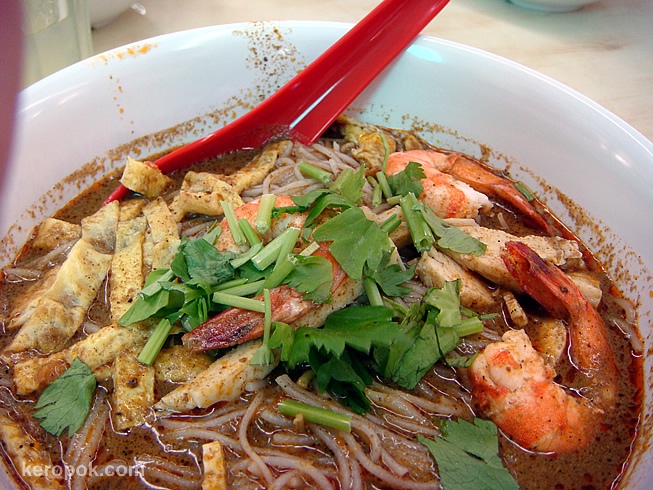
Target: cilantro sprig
{"x": 467, "y": 455}
{"x": 66, "y": 402}
{"x": 358, "y": 339}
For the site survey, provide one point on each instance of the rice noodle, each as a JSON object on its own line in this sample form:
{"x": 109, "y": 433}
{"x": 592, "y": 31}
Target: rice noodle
{"x": 308, "y": 469}
{"x": 444, "y": 406}
{"x": 283, "y": 480}
{"x": 342, "y": 462}
{"x": 148, "y": 459}
{"x": 397, "y": 468}
{"x": 242, "y": 438}
{"x": 49, "y": 259}
{"x": 385, "y": 476}
{"x": 630, "y": 332}
{"x": 275, "y": 418}
{"x": 172, "y": 423}
{"x": 175, "y": 481}
{"x": 200, "y": 434}
{"x": 412, "y": 427}
{"x": 84, "y": 444}
{"x": 625, "y": 305}
{"x": 20, "y": 274}
{"x": 285, "y": 438}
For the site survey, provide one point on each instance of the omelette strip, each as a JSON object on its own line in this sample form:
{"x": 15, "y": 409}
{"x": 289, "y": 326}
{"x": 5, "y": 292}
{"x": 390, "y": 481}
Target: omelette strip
{"x": 133, "y": 390}
{"x": 62, "y": 308}
{"x": 96, "y": 350}
{"x": 30, "y": 460}
{"x": 162, "y": 237}
{"x": 201, "y": 193}
{"x": 126, "y": 278}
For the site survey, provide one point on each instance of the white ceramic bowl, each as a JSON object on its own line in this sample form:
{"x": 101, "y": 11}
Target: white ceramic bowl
{"x": 464, "y": 98}
{"x": 553, "y": 5}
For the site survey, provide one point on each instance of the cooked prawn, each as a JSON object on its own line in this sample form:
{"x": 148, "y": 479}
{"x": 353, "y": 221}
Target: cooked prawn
{"x": 236, "y": 325}
{"x": 457, "y": 187}
{"x": 515, "y": 388}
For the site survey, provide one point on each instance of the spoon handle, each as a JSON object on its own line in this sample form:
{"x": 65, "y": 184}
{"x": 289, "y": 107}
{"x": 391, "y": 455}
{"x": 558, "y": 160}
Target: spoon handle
{"x": 307, "y": 105}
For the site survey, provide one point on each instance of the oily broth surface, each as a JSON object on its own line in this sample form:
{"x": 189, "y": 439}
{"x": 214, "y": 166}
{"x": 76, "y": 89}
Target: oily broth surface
{"x": 596, "y": 467}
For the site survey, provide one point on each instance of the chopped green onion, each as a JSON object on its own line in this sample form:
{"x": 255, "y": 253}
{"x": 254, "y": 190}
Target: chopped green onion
{"x": 314, "y": 172}
{"x": 267, "y": 300}
{"x": 372, "y": 291}
{"x": 340, "y": 180}
{"x": 390, "y": 224}
{"x": 232, "y": 221}
{"x": 394, "y": 200}
{"x": 270, "y": 252}
{"x": 317, "y": 415}
{"x": 239, "y": 302}
{"x": 155, "y": 342}
{"x": 244, "y": 289}
{"x": 213, "y": 233}
{"x": 311, "y": 249}
{"x": 377, "y": 193}
{"x": 229, "y": 284}
{"x": 264, "y": 213}
{"x": 419, "y": 229}
{"x": 305, "y": 379}
{"x": 468, "y": 326}
{"x": 243, "y": 258}
{"x": 279, "y": 273}
{"x": 521, "y": 187}
{"x": 249, "y": 232}
{"x": 383, "y": 182}
{"x": 287, "y": 246}
{"x": 386, "y": 152}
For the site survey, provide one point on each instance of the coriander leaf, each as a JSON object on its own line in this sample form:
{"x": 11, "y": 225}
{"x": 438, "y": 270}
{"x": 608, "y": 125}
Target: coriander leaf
{"x": 330, "y": 200}
{"x": 390, "y": 276}
{"x": 349, "y": 184}
{"x": 158, "y": 305}
{"x": 283, "y": 335}
{"x": 450, "y": 237}
{"x": 460, "y": 361}
{"x": 410, "y": 357}
{"x": 467, "y": 456}
{"x": 447, "y": 301}
{"x": 359, "y": 327}
{"x": 345, "y": 378}
{"x": 305, "y": 201}
{"x": 356, "y": 241}
{"x": 313, "y": 276}
{"x": 65, "y": 403}
{"x": 252, "y": 274}
{"x": 408, "y": 180}
{"x": 205, "y": 264}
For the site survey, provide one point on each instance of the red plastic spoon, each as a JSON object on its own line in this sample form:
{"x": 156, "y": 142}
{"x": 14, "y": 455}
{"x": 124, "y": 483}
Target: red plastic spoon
{"x": 307, "y": 105}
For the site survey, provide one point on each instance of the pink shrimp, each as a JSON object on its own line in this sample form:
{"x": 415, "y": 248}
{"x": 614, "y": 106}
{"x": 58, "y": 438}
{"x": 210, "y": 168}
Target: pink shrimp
{"x": 457, "y": 187}
{"x": 236, "y": 325}
{"x": 514, "y": 387}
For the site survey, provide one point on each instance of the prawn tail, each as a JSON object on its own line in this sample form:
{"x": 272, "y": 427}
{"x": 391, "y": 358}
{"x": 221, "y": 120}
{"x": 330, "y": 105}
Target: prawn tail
{"x": 489, "y": 183}
{"x": 543, "y": 281}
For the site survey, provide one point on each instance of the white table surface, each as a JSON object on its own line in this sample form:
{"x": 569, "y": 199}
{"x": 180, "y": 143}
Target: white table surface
{"x": 604, "y": 50}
